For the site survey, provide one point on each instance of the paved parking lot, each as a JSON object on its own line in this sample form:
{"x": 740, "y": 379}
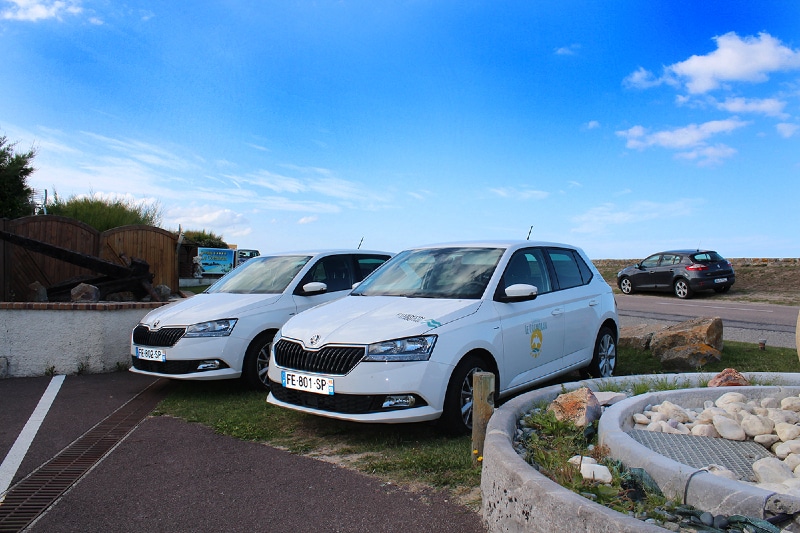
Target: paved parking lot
{"x": 140, "y": 473}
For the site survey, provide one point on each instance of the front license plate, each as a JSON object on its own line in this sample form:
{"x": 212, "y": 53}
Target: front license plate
{"x": 303, "y": 382}
{"x": 720, "y": 280}
{"x": 151, "y": 354}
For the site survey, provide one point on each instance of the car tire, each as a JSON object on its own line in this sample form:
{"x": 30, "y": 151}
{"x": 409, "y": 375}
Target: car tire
{"x": 456, "y": 416}
{"x": 256, "y": 362}
{"x": 626, "y": 285}
{"x": 682, "y": 289}
{"x": 604, "y": 359}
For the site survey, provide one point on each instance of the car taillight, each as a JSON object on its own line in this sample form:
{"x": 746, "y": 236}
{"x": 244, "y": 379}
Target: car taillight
{"x": 695, "y": 267}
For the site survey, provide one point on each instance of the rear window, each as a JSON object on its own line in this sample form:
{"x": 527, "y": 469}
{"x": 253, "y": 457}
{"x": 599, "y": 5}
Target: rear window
{"x": 707, "y": 257}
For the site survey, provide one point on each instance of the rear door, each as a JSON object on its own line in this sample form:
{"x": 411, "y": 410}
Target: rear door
{"x": 580, "y": 300}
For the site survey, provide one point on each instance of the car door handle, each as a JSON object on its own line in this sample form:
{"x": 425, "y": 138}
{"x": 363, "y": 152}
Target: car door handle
{"x": 557, "y": 311}
{"x": 592, "y": 303}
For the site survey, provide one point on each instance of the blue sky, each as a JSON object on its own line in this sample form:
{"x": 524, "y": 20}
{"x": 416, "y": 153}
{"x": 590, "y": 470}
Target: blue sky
{"x": 623, "y": 127}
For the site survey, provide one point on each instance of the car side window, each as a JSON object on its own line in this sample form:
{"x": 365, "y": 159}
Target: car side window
{"x": 335, "y": 271}
{"x": 528, "y": 267}
{"x": 651, "y": 261}
{"x": 670, "y": 259}
{"x": 368, "y": 263}
{"x": 568, "y": 273}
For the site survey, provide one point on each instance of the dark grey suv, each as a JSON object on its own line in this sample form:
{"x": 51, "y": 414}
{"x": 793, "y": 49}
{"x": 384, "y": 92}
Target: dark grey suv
{"x": 682, "y": 272}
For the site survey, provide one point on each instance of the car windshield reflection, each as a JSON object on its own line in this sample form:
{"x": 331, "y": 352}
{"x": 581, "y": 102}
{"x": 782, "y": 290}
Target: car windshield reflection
{"x": 461, "y": 273}
{"x": 261, "y": 275}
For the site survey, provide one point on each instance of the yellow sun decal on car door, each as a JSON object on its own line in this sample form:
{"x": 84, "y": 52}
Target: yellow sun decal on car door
{"x": 536, "y": 342}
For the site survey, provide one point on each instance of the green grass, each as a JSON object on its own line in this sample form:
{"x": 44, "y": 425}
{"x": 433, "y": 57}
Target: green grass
{"x": 397, "y": 452}
{"x": 407, "y": 453}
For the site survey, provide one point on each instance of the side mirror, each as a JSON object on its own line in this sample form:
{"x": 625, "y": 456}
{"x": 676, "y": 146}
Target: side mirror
{"x": 314, "y": 287}
{"x": 520, "y": 292}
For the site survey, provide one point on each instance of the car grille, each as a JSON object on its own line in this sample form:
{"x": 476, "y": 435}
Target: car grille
{"x": 335, "y": 403}
{"x": 168, "y": 367}
{"x": 334, "y": 360}
{"x": 160, "y": 337}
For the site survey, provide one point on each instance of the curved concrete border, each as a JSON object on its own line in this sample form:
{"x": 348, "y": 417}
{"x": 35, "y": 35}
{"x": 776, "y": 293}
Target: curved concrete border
{"x": 516, "y": 497}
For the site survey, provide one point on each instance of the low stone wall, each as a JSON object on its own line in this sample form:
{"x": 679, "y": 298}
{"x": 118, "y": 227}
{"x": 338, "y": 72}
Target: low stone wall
{"x": 38, "y": 339}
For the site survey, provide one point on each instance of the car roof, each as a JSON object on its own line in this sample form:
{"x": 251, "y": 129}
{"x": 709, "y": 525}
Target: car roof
{"x": 510, "y": 244}
{"x": 687, "y": 251}
{"x": 332, "y": 251}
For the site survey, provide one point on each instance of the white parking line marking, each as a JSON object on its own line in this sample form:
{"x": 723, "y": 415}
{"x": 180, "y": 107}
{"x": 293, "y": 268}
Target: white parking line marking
{"x": 20, "y": 448}
{"x": 753, "y": 309}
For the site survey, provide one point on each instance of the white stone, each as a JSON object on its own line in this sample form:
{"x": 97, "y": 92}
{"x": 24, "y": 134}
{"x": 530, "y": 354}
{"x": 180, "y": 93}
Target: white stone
{"x": 639, "y": 418}
{"x": 780, "y": 415}
{"x": 786, "y": 431}
{"x": 771, "y": 470}
{"x": 705, "y": 430}
{"x": 766, "y": 440}
{"x": 792, "y": 403}
{"x": 658, "y": 417}
{"x": 674, "y": 412}
{"x": 582, "y": 459}
{"x": 609, "y": 398}
{"x": 721, "y": 471}
{"x": 711, "y": 412}
{"x": 736, "y": 407}
{"x": 729, "y": 397}
{"x": 598, "y": 473}
{"x": 769, "y": 402}
{"x": 728, "y": 428}
{"x": 792, "y": 460}
{"x": 783, "y": 449}
{"x": 756, "y": 425}
{"x": 654, "y": 426}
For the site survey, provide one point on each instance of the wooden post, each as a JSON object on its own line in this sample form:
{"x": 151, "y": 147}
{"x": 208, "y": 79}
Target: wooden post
{"x": 482, "y": 409}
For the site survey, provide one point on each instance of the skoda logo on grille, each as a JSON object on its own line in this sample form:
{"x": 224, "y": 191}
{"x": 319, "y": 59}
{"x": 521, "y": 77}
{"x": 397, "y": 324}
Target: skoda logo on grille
{"x": 313, "y": 340}
{"x": 156, "y": 323}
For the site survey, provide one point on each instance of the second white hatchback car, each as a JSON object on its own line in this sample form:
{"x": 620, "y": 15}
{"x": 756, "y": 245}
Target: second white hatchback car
{"x": 404, "y": 345}
{"x": 226, "y": 331}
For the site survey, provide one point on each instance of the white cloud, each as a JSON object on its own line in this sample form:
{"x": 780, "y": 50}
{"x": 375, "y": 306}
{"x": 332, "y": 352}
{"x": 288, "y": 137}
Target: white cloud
{"x": 570, "y": 50}
{"x": 687, "y": 136}
{"x": 749, "y": 59}
{"x": 520, "y": 194}
{"x": 786, "y": 130}
{"x": 592, "y": 125}
{"x": 598, "y": 219}
{"x": 708, "y": 155}
{"x": 766, "y": 106}
{"x": 205, "y": 217}
{"x": 33, "y": 10}
{"x": 642, "y": 78}
{"x": 307, "y": 220}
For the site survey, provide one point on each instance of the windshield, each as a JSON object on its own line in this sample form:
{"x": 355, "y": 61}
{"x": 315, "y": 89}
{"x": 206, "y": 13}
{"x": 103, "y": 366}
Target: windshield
{"x": 434, "y": 273}
{"x": 261, "y": 275}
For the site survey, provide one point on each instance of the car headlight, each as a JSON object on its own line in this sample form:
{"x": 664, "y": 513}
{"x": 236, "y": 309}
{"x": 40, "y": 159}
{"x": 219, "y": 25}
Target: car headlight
{"x": 408, "y": 349}
{"x": 212, "y": 328}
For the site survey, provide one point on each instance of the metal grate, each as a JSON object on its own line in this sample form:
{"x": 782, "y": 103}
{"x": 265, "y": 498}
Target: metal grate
{"x": 143, "y": 336}
{"x": 700, "y": 452}
{"x": 32, "y": 495}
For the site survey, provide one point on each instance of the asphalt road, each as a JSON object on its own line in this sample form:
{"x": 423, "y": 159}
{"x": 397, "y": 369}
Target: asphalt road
{"x": 165, "y": 474}
{"x": 742, "y": 321}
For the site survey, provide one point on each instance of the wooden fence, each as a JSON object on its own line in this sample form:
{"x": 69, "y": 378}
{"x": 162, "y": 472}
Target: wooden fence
{"x": 20, "y": 267}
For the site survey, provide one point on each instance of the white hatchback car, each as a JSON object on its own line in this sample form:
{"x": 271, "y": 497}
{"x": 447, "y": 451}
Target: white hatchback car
{"x": 404, "y": 345}
{"x": 225, "y": 332}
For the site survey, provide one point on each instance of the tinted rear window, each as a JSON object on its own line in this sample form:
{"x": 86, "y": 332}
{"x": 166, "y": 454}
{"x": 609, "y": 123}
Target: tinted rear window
{"x": 707, "y": 257}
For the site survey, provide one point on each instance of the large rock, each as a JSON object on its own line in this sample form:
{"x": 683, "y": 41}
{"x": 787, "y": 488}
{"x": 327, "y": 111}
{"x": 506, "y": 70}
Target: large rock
{"x": 85, "y": 293}
{"x": 729, "y": 377}
{"x": 637, "y": 337}
{"x": 579, "y": 406}
{"x": 689, "y": 357}
{"x": 702, "y": 330}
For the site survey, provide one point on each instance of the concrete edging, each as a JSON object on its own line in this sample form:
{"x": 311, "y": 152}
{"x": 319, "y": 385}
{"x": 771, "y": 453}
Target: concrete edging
{"x": 516, "y": 497}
